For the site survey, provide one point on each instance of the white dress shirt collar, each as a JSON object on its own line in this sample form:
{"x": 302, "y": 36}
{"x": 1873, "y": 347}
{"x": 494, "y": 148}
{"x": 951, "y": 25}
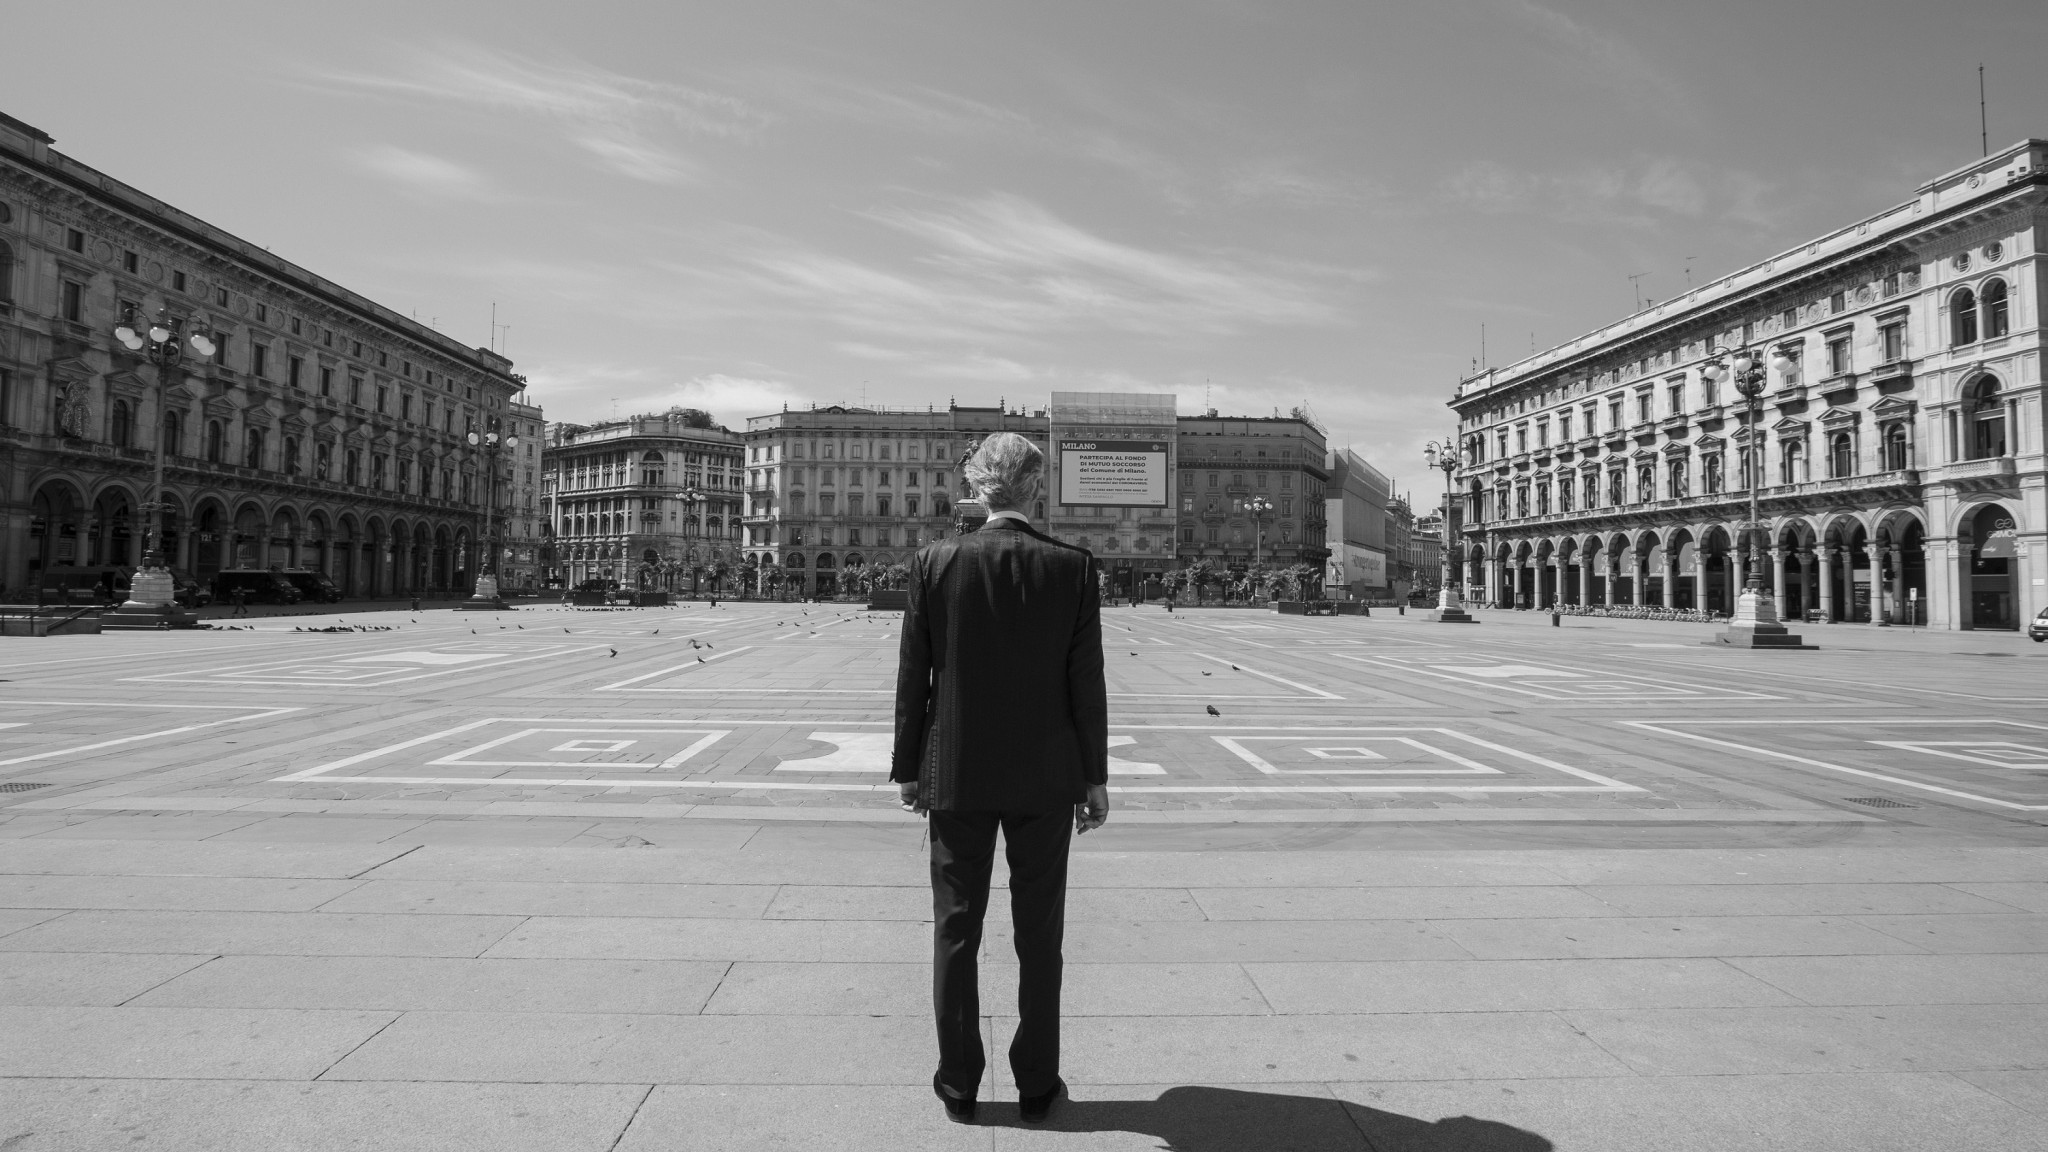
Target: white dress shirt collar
{"x": 1009, "y": 514}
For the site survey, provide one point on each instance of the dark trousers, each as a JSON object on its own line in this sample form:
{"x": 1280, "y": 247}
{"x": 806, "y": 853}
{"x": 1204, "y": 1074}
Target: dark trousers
{"x": 963, "y": 855}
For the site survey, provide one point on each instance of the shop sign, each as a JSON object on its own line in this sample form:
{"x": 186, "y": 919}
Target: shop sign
{"x": 2001, "y": 544}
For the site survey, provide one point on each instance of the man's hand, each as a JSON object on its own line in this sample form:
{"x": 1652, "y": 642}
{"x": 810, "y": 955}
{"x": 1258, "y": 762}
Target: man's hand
{"x": 1094, "y": 811}
{"x": 912, "y": 801}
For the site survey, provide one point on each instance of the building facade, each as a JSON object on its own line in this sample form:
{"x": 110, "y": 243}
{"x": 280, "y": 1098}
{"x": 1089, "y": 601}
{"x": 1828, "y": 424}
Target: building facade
{"x": 1897, "y": 448}
{"x": 1133, "y": 543}
{"x": 326, "y": 432}
{"x": 1224, "y": 462}
{"x": 837, "y": 488}
{"x": 649, "y": 502}
{"x": 1355, "y": 518}
{"x": 522, "y": 525}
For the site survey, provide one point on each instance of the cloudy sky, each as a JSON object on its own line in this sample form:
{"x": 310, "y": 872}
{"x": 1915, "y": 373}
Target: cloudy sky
{"x": 1263, "y": 202}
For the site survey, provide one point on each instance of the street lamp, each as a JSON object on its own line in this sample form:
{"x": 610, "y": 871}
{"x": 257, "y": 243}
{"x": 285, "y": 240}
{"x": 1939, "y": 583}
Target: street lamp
{"x": 1755, "y": 623}
{"x": 1449, "y": 609}
{"x": 485, "y": 598}
{"x": 1260, "y": 508}
{"x": 152, "y": 592}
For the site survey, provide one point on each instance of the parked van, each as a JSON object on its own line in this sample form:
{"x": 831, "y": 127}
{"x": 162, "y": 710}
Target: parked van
{"x": 262, "y": 585}
{"x": 314, "y": 586}
{"x": 83, "y": 585}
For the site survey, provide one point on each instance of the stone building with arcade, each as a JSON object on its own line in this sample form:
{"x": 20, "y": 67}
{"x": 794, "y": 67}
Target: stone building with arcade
{"x": 1898, "y": 447}
{"x": 326, "y": 431}
{"x": 650, "y": 501}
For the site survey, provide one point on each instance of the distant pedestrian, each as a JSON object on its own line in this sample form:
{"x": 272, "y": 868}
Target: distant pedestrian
{"x": 415, "y": 602}
{"x": 240, "y": 597}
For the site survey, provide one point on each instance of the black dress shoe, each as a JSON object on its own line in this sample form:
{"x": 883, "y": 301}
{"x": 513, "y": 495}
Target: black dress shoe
{"x": 957, "y": 1110}
{"x": 1035, "y": 1108}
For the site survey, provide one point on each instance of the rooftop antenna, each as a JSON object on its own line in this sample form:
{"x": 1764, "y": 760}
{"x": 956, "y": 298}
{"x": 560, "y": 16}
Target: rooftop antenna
{"x": 1983, "y": 122}
{"x": 494, "y": 325}
{"x": 1482, "y": 345}
{"x": 1688, "y": 272}
{"x": 1635, "y": 284}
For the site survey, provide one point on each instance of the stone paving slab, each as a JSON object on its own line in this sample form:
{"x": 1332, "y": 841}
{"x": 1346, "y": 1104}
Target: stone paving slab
{"x": 1438, "y": 986}
{"x": 1996, "y": 978}
{"x": 1876, "y": 1112}
{"x": 412, "y": 983}
{"x": 166, "y": 893}
{"x": 1894, "y": 1038}
{"x": 642, "y": 938}
{"x": 1618, "y": 937}
{"x": 1792, "y": 899}
{"x": 51, "y": 979}
{"x": 179, "y": 1043}
{"x": 521, "y": 898}
{"x": 67, "y": 856}
{"x": 2014, "y": 933}
{"x": 272, "y": 933}
{"x": 50, "y": 1115}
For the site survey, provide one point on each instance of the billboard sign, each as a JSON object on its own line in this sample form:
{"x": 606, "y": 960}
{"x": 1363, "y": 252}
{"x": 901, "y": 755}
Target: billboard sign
{"x": 1366, "y": 566}
{"x": 1104, "y": 473}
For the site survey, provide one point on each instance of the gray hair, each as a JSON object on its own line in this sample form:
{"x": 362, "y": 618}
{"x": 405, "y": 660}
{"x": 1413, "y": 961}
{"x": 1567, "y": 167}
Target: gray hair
{"x": 1007, "y": 472}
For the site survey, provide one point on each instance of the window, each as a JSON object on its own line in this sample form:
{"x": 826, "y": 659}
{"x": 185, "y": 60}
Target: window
{"x": 1792, "y": 466}
{"x": 1614, "y": 421}
{"x": 1788, "y": 318}
{"x": 323, "y": 461}
{"x": 1675, "y": 393}
{"x": 120, "y": 425}
{"x": 1710, "y": 393}
{"x": 1841, "y": 455}
{"x": 1215, "y": 479}
{"x": 1543, "y": 499}
{"x": 1646, "y": 485}
{"x": 1617, "y": 490}
{"x": 1891, "y": 342}
{"x": 1677, "y": 480}
{"x": 383, "y": 398}
{"x": 1521, "y": 440}
{"x": 259, "y": 360}
{"x": 295, "y": 371}
{"x": 355, "y": 391}
{"x": 1995, "y": 323}
{"x": 1838, "y": 356}
{"x": 220, "y": 349}
{"x": 1986, "y": 428}
{"x": 1710, "y": 474}
{"x": 352, "y": 468}
{"x": 1564, "y": 427}
{"x": 405, "y": 405}
{"x": 1643, "y": 414}
{"x": 910, "y": 505}
{"x": 220, "y": 296}
{"x": 1962, "y": 317}
{"x": 177, "y": 281}
{"x": 291, "y": 456}
{"x": 1564, "y": 493}
{"x": 378, "y": 470}
{"x": 1891, "y": 284}
{"x": 74, "y": 240}
{"x": 131, "y": 263}
{"x": 74, "y": 302}
{"x": 404, "y": 476}
{"x": 1897, "y": 456}
{"x": 1838, "y": 303}
{"x": 6, "y": 274}
{"x": 327, "y": 381}
{"x": 215, "y": 442}
{"x": 295, "y": 326}
{"x": 263, "y": 313}
{"x": 252, "y": 448}
{"x": 174, "y": 432}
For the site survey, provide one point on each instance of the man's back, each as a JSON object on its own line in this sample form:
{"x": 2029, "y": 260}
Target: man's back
{"x": 1000, "y": 701}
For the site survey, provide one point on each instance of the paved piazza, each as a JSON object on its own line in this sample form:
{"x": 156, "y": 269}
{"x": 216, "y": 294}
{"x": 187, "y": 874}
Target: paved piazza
{"x": 560, "y": 879}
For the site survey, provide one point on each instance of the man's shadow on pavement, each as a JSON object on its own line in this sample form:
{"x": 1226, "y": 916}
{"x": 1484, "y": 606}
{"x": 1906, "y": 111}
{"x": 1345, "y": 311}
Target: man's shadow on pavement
{"x": 1196, "y": 1119}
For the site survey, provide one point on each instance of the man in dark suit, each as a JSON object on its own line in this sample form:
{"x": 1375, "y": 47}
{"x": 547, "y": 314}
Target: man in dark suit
{"x": 1001, "y": 722}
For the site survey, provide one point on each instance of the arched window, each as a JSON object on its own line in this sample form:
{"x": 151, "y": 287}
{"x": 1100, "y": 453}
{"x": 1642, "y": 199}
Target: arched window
{"x": 1793, "y": 467}
{"x": 1564, "y": 493}
{"x": 6, "y": 275}
{"x": 252, "y": 454}
{"x": 216, "y": 442}
{"x": 1987, "y": 420}
{"x": 1896, "y": 453}
{"x": 352, "y": 467}
{"x": 291, "y": 455}
{"x": 1710, "y": 474}
{"x": 1679, "y": 486}
{"x": 1748, "y": 469}
{"x": 1841, "y": 455}
{"x": 1617, "y": 488}
{"x": 1542, "y": 499}
{"x": 1646, "y": 484}
{"x": 1962, "y": 317}
{"x": 323, "y": 461}
{"x": 1995, "y": 315}
{"x": 174, "y": 432}
{"x": 120, "y": 426}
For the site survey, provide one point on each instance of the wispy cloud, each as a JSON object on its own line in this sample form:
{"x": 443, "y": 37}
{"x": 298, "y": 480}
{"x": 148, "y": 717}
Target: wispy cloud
{"x": 630, "y": 125}
{"x": 434, "y": 177}
{"x": 1640, "y": 193}
{"x": 1602, "y": 57}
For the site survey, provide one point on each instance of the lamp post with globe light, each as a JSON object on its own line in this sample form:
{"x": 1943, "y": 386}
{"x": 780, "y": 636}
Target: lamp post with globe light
{"x": 152, "y": 592}
{"x": 1755, "y": 623}
{"x": 485, "y": 598}
{"x": 1449, "y": 607}
{"x": 1260, "y": 508}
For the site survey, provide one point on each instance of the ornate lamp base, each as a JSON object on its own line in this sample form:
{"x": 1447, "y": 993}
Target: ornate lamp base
{"x": 152, "y": 605}
{"x": 485, "y": 598}
{"x": 1755, "y": 625}
{"x": 1448, "y": 610}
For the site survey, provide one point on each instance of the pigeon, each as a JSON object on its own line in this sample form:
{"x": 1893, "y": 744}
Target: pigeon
{"x": 1134, "y": 653}
{"x": 700, "y": 659}
{"x": 1208, "y": 673}
{"x": 472, "y": 631}
{"x": 521, "y": 627}
{"x": 1235, "y": 668}
{"x": 613, "y": 651}
{"x": 709, "y": 644}
{"x": 694, "y": 644}
{"x": 565, "y": 629}
{"x": 657, "y": 631}
{"x": 1213, "y": 711}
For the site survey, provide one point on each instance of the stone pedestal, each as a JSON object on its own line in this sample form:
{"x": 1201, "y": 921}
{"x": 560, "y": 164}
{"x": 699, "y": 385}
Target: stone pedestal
{"x": 152, "y": 605}
{"x": 1448, "y": 610}
{"x": 1755, "y": 625}
{"x": 485, "y": 598}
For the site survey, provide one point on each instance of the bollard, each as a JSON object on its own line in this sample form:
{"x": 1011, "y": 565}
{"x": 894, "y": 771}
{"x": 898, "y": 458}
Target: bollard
{"x": 1400, "y": 609}
{"x": 1365, "y": 610}
{"x": 1554, "y": 618}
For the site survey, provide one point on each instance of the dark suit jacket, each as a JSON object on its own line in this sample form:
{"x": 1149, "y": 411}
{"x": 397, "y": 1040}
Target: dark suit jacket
{"x": 1000, "y": 704}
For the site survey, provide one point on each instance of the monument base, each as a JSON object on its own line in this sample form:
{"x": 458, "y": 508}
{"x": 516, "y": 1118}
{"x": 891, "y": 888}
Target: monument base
{"x": 136, "y": 617}
{"x": 1755, "y": 625}
{"x": 1451, "y": 615}
{"x": 485, "y": 598}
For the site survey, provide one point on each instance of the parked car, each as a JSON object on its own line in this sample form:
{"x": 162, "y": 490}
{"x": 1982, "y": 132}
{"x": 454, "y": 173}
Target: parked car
{"x": 2038, "y": 630}
{"x": 263, "y": 586}
{"x": 191, "y": 593}
{"x": 314, "y": 586}
{"x": 83, "y": 584}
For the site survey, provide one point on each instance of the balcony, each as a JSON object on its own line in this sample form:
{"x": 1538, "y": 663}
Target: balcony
{"x": 1895, "y": 373}
{"x": 1970, "y": 475}
{"x": 1833, "y": 387}
{"x": 1789, "y": 394}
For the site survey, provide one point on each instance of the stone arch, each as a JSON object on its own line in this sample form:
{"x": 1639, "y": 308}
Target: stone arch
{"x": 281, "y": 548}
{"x": 58, "y": 513}
{"x": 1988, "y": 562}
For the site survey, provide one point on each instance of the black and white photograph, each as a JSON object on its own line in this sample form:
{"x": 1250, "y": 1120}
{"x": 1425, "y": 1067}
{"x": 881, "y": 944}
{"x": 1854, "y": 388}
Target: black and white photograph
{"x": 1180, "y": 575}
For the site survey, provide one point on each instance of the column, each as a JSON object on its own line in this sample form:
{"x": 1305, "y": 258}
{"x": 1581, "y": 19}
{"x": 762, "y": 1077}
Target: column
{"x": 1778, "y": 578}
{"x": 1613, "y": 561}
{"x": 1667, "y": 572}
{"x": 1699, "y": 577}
{"x": 1896, "y": 610}
{"x": 1809, "y": 590}
{"x": 1579, "y": 592}
{"x": 1639, "y": 575}
{"x": 1828, "y": 554}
